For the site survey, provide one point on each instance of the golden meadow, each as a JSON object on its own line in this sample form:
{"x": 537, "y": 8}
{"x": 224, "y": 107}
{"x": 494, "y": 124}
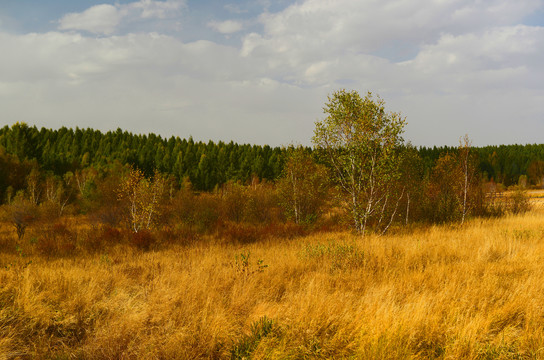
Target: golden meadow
{"x": 445, "y": 292}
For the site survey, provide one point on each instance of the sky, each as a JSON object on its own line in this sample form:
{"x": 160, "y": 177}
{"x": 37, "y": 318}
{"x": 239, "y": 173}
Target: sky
{"x": 260, "y": 71}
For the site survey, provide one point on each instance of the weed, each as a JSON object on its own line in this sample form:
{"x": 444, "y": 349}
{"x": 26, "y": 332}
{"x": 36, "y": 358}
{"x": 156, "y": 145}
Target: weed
{"x": 19, "y": 251}
{"x": 247, "y": 345}
{"x": 105, "y": 259}
{"x": 243, "y": 265}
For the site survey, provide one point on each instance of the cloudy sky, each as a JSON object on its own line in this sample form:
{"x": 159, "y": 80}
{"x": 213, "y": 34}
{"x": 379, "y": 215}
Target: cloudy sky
{"x": 260, "y": 71}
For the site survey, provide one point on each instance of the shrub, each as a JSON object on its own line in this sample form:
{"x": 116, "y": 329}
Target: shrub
{"x": 21, "y": 214}
{"x": 261, "y": 205}
{"x": 111, "y": 234}
{"x": 519, "y": 201}
{"x": 233, "y": 201}
{"x": 142, "y": 239}
{"x": 186, "y": 234}
{"x": 56, "y": 240}
{"x": 199, "y": 213}
{"x": 243, "y": 233}
{"x": 286, "y": 230}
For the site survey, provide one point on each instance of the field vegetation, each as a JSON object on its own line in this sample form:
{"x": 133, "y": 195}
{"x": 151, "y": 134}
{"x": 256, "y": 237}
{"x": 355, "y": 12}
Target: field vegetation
{"x": 444, "y": 291}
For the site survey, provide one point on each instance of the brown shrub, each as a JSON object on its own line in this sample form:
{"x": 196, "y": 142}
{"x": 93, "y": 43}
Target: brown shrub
{"x": 101, "y": 237}
{"x": 111, "y": 235}
{"x": 142, "y": 239}
{"x": 287, "y": 230}
{"x": 261, "y": 205}
{"x": 243, "y": 233}
{"x": 46, "y": 246}
{"x": 196, "y": 212}
{"x": 56, "y": 240}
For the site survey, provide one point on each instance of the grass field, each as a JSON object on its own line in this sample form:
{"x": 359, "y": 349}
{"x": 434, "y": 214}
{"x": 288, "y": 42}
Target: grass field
{"x": 471, "y": 292}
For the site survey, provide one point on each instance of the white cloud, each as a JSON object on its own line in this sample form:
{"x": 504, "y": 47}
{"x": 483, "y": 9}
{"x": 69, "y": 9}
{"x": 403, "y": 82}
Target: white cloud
{"x": 495, "y": 49}
{"x": 226, "y": 27}
{"x": 318, "y": 28}
{"x": 235, "y": 9}
{"x": 155, "y": 9}
{"x": 105, "y": 19}
{"x": 99, "y": 19}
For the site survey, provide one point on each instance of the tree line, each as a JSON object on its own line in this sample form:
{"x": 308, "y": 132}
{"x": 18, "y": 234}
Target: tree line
{"x": 207, "y": 165}
{"x": 504, "y": 164}
{"x": 210, "y": 164}
{"x": 359, "y": 173}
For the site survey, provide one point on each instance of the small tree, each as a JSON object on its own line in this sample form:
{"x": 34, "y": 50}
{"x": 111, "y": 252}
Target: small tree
{"x": 454, "y": 188}
{"x": 467, "y": 164}
{"x": 58, "y": 193}
{"x": 359, "y": 140}
{"x": 234, "y": 198}
{"x": 303, "y": 187}
{"x": 518, "y": 201}
{"x": 412, "y": 174}
{"x": 444, "y": 190}
{"x": 142, "y": 197}
{"x": 33, "y": 186}
{"x": 536, "y": 172}
{"x": 84, "y": 179}
{"x": 21, "y": 213}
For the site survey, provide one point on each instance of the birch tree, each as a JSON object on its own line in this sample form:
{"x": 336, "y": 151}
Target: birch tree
{"x": 359, "y": 141}
{"x": 142, "y": 197}
{"x": 57, "y": 192}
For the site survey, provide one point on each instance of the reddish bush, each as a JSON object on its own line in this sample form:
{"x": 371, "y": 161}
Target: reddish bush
{"x": 100, "y": 237}
{"x": 111, "y": 235}
{"x": 47, "y": 246}
{"x": 196, "y": 212}
{"x": 60, "y": 229}
{"x": 261, "y": 204}
{"x": 287, "y": 230}
{"x": 56, "y": 240}
{"x": 66, "y": 247}
{"x": 142, "y": 239}
{"x": 239, "y": 232}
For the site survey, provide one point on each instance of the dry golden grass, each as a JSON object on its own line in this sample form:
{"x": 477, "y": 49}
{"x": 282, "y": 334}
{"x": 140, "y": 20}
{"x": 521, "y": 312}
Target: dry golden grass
{"x": 471, "y": 292}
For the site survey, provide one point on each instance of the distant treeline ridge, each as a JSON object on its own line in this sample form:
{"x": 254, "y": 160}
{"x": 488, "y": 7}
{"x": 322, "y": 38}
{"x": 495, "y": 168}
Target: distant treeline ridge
{"x": 206, "y": 165}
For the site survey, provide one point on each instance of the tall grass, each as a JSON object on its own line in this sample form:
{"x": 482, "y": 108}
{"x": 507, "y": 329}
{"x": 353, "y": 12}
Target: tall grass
{"x": 446, "y": 292}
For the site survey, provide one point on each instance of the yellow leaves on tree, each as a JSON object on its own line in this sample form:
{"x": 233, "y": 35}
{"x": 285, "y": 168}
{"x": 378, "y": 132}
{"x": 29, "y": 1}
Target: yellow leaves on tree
{"x": 142, "y": 197}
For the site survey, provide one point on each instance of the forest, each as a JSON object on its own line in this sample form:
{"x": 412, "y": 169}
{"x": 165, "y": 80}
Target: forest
{"x": 206, "y": 165}
{"x": 82, "y": 171}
